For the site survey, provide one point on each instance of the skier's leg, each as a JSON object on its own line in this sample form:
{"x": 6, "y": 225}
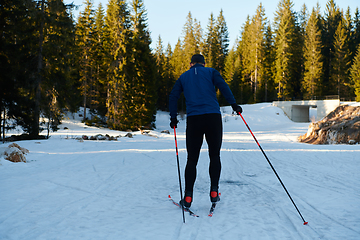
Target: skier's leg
{"x": 194, "y": 140}
{"x": 213, "y": 134}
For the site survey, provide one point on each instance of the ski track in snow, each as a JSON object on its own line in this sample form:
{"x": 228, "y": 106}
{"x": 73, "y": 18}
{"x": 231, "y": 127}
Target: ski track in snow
{"x": 118, "y": 190}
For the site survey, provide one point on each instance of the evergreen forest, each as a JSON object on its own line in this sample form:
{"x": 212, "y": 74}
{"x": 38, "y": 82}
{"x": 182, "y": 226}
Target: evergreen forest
{"x": 102, "y": 60}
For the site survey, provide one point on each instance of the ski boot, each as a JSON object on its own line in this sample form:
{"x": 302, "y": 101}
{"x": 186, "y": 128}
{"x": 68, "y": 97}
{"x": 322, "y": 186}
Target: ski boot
{"x": 187, "y": 200}
{"x": 214, "y": 194}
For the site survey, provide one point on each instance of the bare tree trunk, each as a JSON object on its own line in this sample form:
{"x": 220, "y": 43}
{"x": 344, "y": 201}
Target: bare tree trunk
{"x": 4, "y": 122}
{"x": 1, "y": 120}
{"x": 256, "y": 73}
{"x": 85, "y": 93}
{"x": 266, "y": 89}
{"x": 85, "y": 87}
{"x": 36, "y": 129}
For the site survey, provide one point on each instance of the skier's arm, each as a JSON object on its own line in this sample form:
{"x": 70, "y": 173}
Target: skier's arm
{"x": 173, "y": 98}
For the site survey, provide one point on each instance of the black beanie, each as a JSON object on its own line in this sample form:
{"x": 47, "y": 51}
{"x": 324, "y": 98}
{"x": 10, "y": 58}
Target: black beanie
{"x": 198, "y": 58}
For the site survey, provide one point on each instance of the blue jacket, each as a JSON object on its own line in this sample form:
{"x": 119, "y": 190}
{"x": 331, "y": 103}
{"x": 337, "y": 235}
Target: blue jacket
{"x": 198, "y": 85}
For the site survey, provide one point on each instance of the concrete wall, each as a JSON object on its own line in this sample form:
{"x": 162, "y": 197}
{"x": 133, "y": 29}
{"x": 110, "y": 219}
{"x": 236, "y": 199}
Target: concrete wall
{"x": 298, "y": 111}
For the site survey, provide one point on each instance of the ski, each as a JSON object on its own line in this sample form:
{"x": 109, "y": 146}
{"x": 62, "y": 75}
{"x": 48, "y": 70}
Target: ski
{"x": 185, "y": 209}
{"x": 211, "y": 212}
{"x": 212, "y": 208}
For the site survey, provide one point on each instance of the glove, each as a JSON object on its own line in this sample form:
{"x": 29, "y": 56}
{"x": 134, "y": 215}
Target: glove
{"x": 236, "y": 108}
{"x": 173, "y": 122}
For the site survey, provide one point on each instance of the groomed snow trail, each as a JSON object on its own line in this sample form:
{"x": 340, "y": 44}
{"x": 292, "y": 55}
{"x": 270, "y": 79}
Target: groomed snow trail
{"x": 118, "y": 190}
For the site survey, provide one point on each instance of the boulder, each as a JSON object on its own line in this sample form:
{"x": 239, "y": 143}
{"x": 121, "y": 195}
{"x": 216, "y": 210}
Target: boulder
{"x": 15, "y": 153}
{"x": 341, "y": 126}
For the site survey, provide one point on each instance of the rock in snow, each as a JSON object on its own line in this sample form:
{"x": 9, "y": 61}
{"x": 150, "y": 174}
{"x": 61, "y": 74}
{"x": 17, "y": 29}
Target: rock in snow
{"x": 341, "y": 126}
{"x": 14, "y": 153}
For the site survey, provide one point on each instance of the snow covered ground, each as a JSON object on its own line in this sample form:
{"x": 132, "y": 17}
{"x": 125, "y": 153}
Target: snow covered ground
{"x": 71, "y": 189}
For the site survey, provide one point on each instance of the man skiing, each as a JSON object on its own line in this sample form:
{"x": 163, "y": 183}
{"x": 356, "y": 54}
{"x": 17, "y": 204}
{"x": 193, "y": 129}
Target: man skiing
{"x": 203, "y": 118}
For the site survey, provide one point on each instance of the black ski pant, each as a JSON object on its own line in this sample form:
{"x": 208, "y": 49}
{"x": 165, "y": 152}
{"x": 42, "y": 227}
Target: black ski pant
{"x": 197, "y": 126}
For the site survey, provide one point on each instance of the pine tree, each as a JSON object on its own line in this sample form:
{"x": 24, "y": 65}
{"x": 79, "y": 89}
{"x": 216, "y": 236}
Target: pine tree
{"x": 100, "y": 56}
{"x": 313, "y": 58}
{"x": 229, "y": 69}
{"x": 165, "y": 78}
{"x": 353, "y": 33}
{"x": 211, "y": 44}
{"x": 350, "y": 52}
{"x": 268, "y": 87}
{"x": 18, "y": 44}
{"x": 85, "y": 41}
{"x": 348, "y": 25}
{"x": 191, "y": 42}
{"x": 168, "y": 73}
{"x": 58, "y": 58}
{"x": 179, "y": 64}
{"x": 198, "y": 33}
{"x": 355, "y": 74}
{"x": 253, "y": 52}
{"x": 34, "y": 128}
{"x": 232, "y": 73}
{"x": 258, "y": 42}
{"x": 331, "y": 23}
{"x": 216, "y": 42}
{"x": 244, "y": 51}
{"x": 178, "y": 61}
{"x": 303, "y": 19}
{"x": 285, "y": 44}
{"x": 117, "y": 40}
{"x": 161, "y": 76}
{"x": 340, "y": 63}
{"x": 41, "y": 64}
{"x": 299, "y": 63}
{"x": 143, "y": 96}
{"x": 223, "y": 36}
{"x": 355, "y": 41}
{"x": 243, "y": 75}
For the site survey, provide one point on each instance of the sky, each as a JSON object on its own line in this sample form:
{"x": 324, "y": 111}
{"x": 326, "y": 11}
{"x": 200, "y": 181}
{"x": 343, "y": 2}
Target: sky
{"x": 167, "y": 17}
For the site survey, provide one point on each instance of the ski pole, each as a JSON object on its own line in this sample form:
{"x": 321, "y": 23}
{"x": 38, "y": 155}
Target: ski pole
{"x": 178, "y": 166}
{"x": 282, "y": 184}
